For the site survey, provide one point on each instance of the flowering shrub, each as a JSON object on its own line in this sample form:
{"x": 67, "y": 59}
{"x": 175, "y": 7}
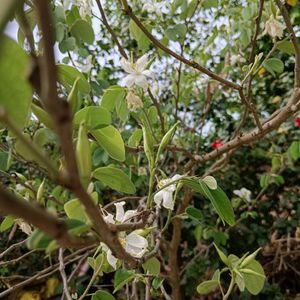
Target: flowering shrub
{"x": 141, "y": 138}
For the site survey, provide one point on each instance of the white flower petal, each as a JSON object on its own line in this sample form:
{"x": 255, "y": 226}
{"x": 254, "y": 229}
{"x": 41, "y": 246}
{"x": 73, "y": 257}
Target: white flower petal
{"x": 168, "y": 202}
{"x": 148, "y": 73}
{"x": 141, "y": 81}
{"x": 109, "y": 219}
{"x": 112, "y": 260}
{"x": 136, "y": 245}
{"x": 126, "y": 65}
{"x": 158, "y": 197}
{"x": 128, "y": 215}
{"x": 129, "y": 80}
{"x": 141, "y": 63}
{"x": 120, "y": 211}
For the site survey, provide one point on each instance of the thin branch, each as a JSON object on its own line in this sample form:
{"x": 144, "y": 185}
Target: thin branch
{"x": 15, "y": 260}
{"x": 257, "y": 29}
{"x": 46, "y": 272}
{"x": 109, "y": 28}
{"x": 167, "y": 50}
{"x": 293, "y": 38}
{"x": 283, "y": 114}
{"x": 63, "y": 273}
{"x": 12, "y": 247}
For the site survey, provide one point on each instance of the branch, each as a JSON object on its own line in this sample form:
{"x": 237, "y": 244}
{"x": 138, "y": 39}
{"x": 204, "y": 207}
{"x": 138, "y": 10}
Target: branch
{"x": 113, "y": 35}
{"x": 45, "y": 273}
{"x": 294, "y": 40}
{"x": 62, "y": 117}
{"x": 279, "y": 117}
{"x": 158, "y": 44}
{"x": 63, "y": 273}
{"x": 37, "y": 216}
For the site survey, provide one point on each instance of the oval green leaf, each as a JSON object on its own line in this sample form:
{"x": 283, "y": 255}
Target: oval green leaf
{"x": 111, "y": 141}
{"x": 115, "y": 179}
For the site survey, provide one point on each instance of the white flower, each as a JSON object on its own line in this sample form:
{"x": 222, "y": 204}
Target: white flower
{"x": 85, "y": 8}
{"x": 165, "y": 196}
{"x": 133, "y": 243}
{"x": 244, "y": 194}
{"x": 274, "y": 28}
{"x": 154, "y": 7}
{"x": 137, "y": 73}
{"x": 134, "y": 102}
{"x": 121, "y": 215}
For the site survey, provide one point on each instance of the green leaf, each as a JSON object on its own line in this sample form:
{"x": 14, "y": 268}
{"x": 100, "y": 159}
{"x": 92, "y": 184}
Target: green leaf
{"x": 6, "y": 223}
{"x": 152, "y": 266}
{"x": 177, "y": 32}
{"x": 210, "y": 182}
{"x": 222, "y": 255}
{"x": 4, "y": 156}
{"x": 6, "y": 11}
{"x": 93, "y": 116}
{"x": 135, "y": 138}
{"x": 59, "y": 31}
{"x": 38, "y": 239}
{"x": 42, "y": 115}
{"x": 75, "y": 210}
{"x": 286, "y": 47}
{"x": 115, "y": 179}
{"x": 254, "y": 283}
{"x": 294, "y": 151}
{"x": 111, "y": 141}
{"x": 156, "y": 282}
{"x": 102, "y": 295}
{"x": 210, "y": 3}
{"x": 83, "y": 31}
{"x": 73, "y": 97}
{"x": 274, "y": 65}
{"x": 67, "y": 76}
{"x": 44, "y": 136}
{"x": 15, "y": 91}
{"x": 264, "y": 180}
{"x": 138, "y": 35}
{"x": 240, "y": 281}
{"x": 207, "y": 286}
{"x": 77, "y": 227}
{"x": 111, "y": 96}
{"x": 217, "y": 197}
{"x": 121, "y": 278}
{"x": 166, "y": 140}
{"x": 194, "y": 213}
{"x": 67, "y": 44}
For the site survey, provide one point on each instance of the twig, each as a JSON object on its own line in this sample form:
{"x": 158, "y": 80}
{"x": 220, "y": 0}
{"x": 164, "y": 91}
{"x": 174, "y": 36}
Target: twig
{"x": 11, "y": 247}
{"x": 294, "y": 40}
{"x": 46, "y": 272}
{"x": 63, "y": 273}
{"x": 13, "y": 261}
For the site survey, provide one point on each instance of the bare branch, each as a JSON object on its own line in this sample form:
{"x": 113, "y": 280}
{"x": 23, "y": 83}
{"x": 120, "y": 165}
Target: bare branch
{"x": 63, "y": 273}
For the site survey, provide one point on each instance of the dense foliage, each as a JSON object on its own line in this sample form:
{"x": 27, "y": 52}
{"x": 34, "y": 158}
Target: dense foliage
{"x": 150, "y": 150}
